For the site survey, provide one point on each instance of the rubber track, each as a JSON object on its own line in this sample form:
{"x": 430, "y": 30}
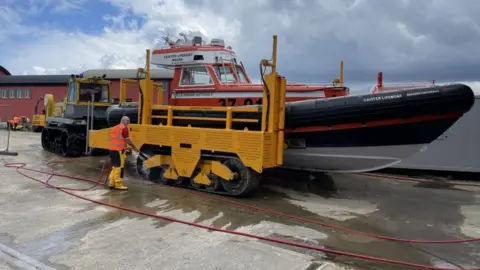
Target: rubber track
{"x": 74, "y": 149}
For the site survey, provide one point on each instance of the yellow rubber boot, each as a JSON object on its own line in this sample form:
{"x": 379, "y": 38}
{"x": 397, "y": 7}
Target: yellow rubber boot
{"x": 119, "y": 185}
{"x": 111, "y": 177}
{"x": 118, "y": 180}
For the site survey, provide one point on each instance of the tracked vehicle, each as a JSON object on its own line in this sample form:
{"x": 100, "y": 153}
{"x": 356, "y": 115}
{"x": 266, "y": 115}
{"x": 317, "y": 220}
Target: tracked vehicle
{"x": 83, "y": 109}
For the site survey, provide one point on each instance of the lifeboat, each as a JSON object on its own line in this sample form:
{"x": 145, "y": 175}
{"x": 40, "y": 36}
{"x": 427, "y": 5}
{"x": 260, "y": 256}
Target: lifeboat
{"x": 326, "y": 129}
{"x": 353, "y": 133}
{"x": 211, "y": 75}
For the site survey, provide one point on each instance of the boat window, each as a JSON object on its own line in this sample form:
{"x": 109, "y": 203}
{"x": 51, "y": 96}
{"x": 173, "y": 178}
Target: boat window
{"x": 195, "y": 76}
{"x": 224, "y": 73}
{"x": 99, "y": 91}
{"x": 241, "y": 75}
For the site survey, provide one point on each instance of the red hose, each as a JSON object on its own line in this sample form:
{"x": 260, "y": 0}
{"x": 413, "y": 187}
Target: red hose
{"x": 22, "y": 166}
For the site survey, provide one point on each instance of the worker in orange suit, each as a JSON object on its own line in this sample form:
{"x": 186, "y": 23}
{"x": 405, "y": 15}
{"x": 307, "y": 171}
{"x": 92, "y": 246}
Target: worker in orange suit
{"x": 15, "y": 121}
{"x": 118, "y": 141}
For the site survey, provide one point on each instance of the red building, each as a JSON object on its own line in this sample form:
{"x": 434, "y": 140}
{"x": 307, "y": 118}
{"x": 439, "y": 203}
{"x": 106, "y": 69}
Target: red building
{"x": 20, "y": 93}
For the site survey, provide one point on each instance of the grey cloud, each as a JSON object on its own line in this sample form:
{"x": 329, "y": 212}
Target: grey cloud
{"x": 406, "y": 39}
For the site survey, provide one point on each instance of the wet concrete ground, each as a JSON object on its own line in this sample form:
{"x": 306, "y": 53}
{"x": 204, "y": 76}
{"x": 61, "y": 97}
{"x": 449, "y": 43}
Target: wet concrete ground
{"x": 44, "y": 227}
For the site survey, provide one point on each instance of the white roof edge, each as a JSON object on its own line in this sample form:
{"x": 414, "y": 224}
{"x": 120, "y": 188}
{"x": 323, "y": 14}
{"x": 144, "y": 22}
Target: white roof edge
{"x": 155, "y": 73}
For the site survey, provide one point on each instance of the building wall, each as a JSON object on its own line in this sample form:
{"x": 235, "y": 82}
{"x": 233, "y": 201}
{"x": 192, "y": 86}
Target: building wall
{"x": 20, "y": 100}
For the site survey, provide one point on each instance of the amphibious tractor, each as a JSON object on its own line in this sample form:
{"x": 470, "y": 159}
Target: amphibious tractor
{"x": 65, "y": 131}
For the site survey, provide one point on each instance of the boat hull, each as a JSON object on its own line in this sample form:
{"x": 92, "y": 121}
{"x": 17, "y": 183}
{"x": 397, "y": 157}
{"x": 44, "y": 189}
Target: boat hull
{"x": 348, "y": 159}
{"x": 362, "y": 149}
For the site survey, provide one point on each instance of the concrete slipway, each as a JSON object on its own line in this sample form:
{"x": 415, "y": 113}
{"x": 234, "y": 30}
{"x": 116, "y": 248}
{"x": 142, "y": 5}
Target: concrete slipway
{"x": 44, "y": 228}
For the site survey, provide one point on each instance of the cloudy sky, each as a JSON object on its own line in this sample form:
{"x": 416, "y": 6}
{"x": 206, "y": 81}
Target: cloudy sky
{"x": 409, "y": 40}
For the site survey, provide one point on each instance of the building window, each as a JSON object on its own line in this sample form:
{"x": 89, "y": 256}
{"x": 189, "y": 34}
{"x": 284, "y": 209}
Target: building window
{"x": 27, "y": 93}
{"x": 16, "y": 93}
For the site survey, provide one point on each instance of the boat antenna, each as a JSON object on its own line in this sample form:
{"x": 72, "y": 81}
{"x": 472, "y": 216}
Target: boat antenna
{"x": 167, "y": 40}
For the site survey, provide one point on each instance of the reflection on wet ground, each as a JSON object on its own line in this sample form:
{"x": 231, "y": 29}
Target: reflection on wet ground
{"x": 403, "y": 210}
{"x": 437, "y": 185}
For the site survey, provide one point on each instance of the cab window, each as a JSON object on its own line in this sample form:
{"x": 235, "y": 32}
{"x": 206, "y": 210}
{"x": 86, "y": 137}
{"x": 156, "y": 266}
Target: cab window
{"x": 195, "y": 76}
{"x": 224, "y": 74}
{"x": 241, "y": 75}
{"x": 71, "y": 96}
{"x": 99, "y": 91}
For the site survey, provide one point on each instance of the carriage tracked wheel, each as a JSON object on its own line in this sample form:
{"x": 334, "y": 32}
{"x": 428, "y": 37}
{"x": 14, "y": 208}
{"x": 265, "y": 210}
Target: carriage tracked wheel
{"x": 245, "y": 182}
{"x": 214, "y": 185}
{"x": 192, "y": 181}
{"x": 154, "y": 174}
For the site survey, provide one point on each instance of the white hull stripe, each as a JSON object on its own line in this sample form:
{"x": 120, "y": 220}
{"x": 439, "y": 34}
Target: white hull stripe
{"x": 196, "y": 94}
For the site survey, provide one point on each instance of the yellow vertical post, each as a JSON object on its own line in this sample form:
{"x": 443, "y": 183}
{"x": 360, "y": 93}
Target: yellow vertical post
{"x": 274, "y": 54}
{"x": 170, "y": 116}
{"x": 272, "y": 82}
{"x": 282, "y": 86}
{"x": 148, "y": 65}
{"x": 341, "y": 73}
{"x": 276, "y": 86}
{"x": 264, "y": 111}
{"x": 147, "y": 89}
{"x": 229, "y": 118}
{"x": 270, "y": 85}
{"x": 273, "y": 110}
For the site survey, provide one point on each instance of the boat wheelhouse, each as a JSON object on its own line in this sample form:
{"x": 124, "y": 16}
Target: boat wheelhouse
{"x": 212, "y": 75}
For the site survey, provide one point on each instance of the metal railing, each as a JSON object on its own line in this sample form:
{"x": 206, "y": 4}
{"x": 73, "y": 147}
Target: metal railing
{"x": 228, "y": 119}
